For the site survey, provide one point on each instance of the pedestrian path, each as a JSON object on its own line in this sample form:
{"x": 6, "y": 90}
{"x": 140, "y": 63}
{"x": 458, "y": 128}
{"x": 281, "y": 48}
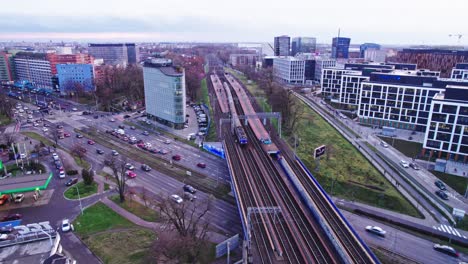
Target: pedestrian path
{"x": 449, "y": 230}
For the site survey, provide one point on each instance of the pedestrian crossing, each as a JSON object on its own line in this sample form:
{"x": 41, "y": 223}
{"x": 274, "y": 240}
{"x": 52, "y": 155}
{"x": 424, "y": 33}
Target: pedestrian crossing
{"x": 449, "y": 229}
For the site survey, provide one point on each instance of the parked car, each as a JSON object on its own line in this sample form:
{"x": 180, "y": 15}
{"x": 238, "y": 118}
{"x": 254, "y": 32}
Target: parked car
{"x": 201, "y": 165}
{"x": 145, "y": 133}
{"x": 12, "y": 217}
{"x": 99, "y": 151}
{"x": 74, "y": 109}
{"x": 447, "y": 250}
{"x": 376, "y": 230}
{"x": 121, "y": 126}
{"x": 114, "y": 152}
{"x": 112, "y": 120}
{"x": 132, "y": 128}
{"x": 59, "y": 126}
{"x": 145, "y": 167}
{"x": 45, "y": 129}
{"x": 167, "y": 141}
{"x": 130, "y": 174}
{"x": 414, "y": 166}
{"x": 189, "y": 196}
{"x": 18, "y": 198}
{"x": 404, "y": 164}
{"x": 66, "y": 134}
{"x": 129, "y": 166}
{"x": 440, "y": 184}
{"x": 6, "y": 229}
{"x": 66, "y": 226}
{"x": 442, "y": 194}
{"x": 79, "y": 136}
{"x": 176, "y": 198}
{"x": 176, "y": 157}
{"x": 55, "y": 156}
{"x": 90, "y": 142}
{"x": 71, "y": 182}
{"x": 4, "y": 199}
{"x": 189, "y": 188}
{"x": 61, "y": 174}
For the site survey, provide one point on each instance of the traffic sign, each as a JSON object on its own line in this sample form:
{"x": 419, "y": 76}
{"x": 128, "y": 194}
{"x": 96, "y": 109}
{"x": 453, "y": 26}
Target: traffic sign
{"x": 319, "y": 151}
{"x": 227, "y": 245}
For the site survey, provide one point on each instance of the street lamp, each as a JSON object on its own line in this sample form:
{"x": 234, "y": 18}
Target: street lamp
{"x": 79, "y": 198}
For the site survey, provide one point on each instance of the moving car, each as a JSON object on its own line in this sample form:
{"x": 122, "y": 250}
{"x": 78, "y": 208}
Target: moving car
{"x": 376, "y": 230}
{"x": 176, "y": 198}
{"x": 190, "y": 189}
{"x": 55, "y": 156}
{"x": 446, "y": 249}
{"x": 404, "y": 163}
{"x": 79, "y": 136}
{"x": 440, "y": 185}
{"x": 90, "y": 142}
{"x": 384, "y": 144}
{"x": 176, "y": 157}
{"x": 442, "y": 194}
{"x": 99, "y": 151}
{"x": 112, "y": 120}
{"x": 414, "y": 166}
{"x": 132, "y": 128}
{"x": 114, "y": 152}
{"x": 66, "y": 226}
{"x": 71, "y": 182}
{"x": 130, "y": 174}
{"x": 189, "y": 196}
{"x": 145, "y": 133}
{"x": 201, "y": 165}
{"x": 145, "y": 167}
{"x": 129, "y": 166}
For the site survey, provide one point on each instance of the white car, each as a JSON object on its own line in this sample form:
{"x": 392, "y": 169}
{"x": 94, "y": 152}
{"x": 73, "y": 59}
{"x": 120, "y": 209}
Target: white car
{"x": 66, "y": 226}
{"x": 62, "y": 174}
{"x": 129, "y": 166}
{"x": 25, "y": 108}
{"x": 376, "y": 230}
{"x": 112, "y": 120}
{"x": 45, "y": 129}
{"x": 384, "y": 144}
{"x": 74, "y": 109}
{"x": 176, "y": 198}
{"x": 35, "y": 124}
{"x": 115, "y": 153}
{"x": 21, "y": 111}
{"x": 404, "y": 163}
{"x": 55, "y": 156}
{"x": 167, "y": 141}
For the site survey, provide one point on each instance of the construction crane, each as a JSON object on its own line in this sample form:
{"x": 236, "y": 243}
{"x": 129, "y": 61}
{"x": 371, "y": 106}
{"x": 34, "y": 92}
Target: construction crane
{"x": 459, "y": 36}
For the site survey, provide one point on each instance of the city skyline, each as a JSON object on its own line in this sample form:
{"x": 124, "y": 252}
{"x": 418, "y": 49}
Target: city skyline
{"x": 207, "y": 21}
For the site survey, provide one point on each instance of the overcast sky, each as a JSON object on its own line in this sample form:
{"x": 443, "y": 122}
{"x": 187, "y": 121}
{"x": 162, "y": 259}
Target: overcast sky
{"x": 387, "y": 22}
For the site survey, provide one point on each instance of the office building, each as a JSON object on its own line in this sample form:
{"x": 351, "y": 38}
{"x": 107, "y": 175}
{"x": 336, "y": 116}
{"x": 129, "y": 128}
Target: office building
{"x": 75, "y": 78}
{"x": 432, "y": 59}
{"x": 320, "y": 64}
{"x": 282, "y": 45}
{"x": 55, "y": 59}
{"x": 367, "y": 46}
{"x": 114, "y": 54}
{"x": 289, "y": 70}
{"x": 33, "y": 67}
{"x": 447, "y": 131}
{"x": 6, "y": 73}
{"x": 340, "y": 48}
{"x": 243, "y": 59}
{"x": 460, "y": 71}
{"x": 403, "y": 66}
{"x": 374, "y": 55}
{"x": 164, "y": 92}
{"x": 303, "y": 45}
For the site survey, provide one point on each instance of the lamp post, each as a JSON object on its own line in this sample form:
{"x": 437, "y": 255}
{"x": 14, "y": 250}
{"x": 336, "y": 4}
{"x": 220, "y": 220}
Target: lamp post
{"x": 79, "y": 198}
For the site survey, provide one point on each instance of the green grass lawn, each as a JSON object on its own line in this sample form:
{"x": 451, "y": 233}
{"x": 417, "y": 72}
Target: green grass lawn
{"x": 4, "y": 120}
{"x": 99, "y": 218}
{"x": 345, "y": 173}
{"x": 211, "y": 135}
{"x": 458, "y": 183}
{"x": 82, "y": 163}
{"x": 408, "y": 148}
{"x": 84, "y": 190}
{"x": 38, "y": 137}
{"x": 106, "y": 187}
{"x": 137, "y": 209}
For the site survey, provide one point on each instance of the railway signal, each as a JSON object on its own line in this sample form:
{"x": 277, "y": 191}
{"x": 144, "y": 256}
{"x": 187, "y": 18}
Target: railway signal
{"x": 319, "y": 151}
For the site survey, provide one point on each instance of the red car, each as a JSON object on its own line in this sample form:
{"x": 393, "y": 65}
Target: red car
{"x": 66, "y": 134}
{"x": 141, "y": 145}
{"x": 176, "y": 157}
{"x": 90, "y": 142}
{"x": 3, "y": 199}
{"x": 201, "y": 165}
{"x": 131, "y": 174}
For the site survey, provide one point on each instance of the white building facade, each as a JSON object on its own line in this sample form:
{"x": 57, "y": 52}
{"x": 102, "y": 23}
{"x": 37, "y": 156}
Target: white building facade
{"x": 289, "y": 70}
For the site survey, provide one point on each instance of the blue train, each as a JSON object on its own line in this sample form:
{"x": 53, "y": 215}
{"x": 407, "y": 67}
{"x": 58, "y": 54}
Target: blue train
{"x": 238, "y": 129}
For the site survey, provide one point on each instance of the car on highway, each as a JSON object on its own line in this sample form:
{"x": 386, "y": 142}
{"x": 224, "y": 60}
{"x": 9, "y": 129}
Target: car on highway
{"x": 12, "y": 217}
{"x": 130, "y": 174}
{"x": 443, "y": 195}
{"x": 201, "y": 165}
{"x": 145, "y": 167}
{"x": 163, "y": 151}
{"x": 79, "y": 136}
{"x": 114, "y": 152}
{"x": 414, "y": 166}
{"x": 404, "y": 163}
{"x": 176, "y": 198}
{"x": 189, "y": 188}
{"x": 176, "y": 157}
{"x": 71, "y": 182}
{"x": 129, "y": 166}
{"x": 145, "y": 133}
{"x": 189, "y": 196}
{"x": 446, "y": 249}
{"x": 99, "y": 151}
{"x": 90, "y": 142}
{"x": 376, "y": 230}
{"x": 66, "y": 226}
{"x": 440, "y": 185}
{"x": 384, "y": 144}
{"x": 18, "y": 198}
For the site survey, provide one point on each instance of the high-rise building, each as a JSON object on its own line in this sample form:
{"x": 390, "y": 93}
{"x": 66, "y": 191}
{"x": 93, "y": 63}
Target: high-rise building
{"x": 6, "y": 73}
{"x": 282, "y": 45}
{"x": 289, "y": 69}
{"x": 303, "y": 45}
{"x": 432, "y": 59}
{"x": 75, "y": 77}
{"x": 33, "y": 67}
{"x": 460, "y": 71}
{"x": 164, "y": 92}
{"x": 114, "y": 54}
{"x": 340, "y": 47}
{"x": 367, "y": 46}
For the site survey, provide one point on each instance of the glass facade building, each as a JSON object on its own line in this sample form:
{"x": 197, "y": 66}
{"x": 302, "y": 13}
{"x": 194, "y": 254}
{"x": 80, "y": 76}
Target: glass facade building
{"x": 340, "y": 48}
{"x": 71, "y": 76}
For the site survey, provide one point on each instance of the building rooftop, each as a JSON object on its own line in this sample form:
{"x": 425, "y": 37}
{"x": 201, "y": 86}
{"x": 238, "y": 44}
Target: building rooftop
{"x": 165, "y": 66}
{"x": 288, "y": 58}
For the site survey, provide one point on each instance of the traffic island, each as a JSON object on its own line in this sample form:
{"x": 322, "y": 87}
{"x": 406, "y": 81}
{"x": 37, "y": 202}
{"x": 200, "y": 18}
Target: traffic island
{"x": 80, "y": 191}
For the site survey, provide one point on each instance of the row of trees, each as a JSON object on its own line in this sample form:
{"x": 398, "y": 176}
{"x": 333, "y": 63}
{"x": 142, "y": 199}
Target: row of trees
{"x": 6, "y": 105}
{"x": 194, "y": 72}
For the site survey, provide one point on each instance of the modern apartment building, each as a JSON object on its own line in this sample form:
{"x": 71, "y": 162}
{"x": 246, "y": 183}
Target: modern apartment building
{"x": 433, "y": 59}
{"x": 6, "y": 72}
{"x": 447, "y": 131}
{"x": 460, "y": 71}
{"x": 243, "y": 59}
{"x": 114, "y": 54}
{"x": 340, "y": 48}
{"x": 320, "y": 64}
{"x": 289, "y": 69}
{"x": 164, "y": 92}
{"x": 303, "y": 45}
{"x": 282, "y": 45}
{"x": 75, "y": 77}
{"x": 33, "y": 67}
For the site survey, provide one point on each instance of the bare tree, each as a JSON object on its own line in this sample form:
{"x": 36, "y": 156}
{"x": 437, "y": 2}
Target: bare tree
{"x": 56, "y": 134}
{"x": 6, "y": 106}
{"x": 79, "y": 151}
{"x": 118, "y": 170}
